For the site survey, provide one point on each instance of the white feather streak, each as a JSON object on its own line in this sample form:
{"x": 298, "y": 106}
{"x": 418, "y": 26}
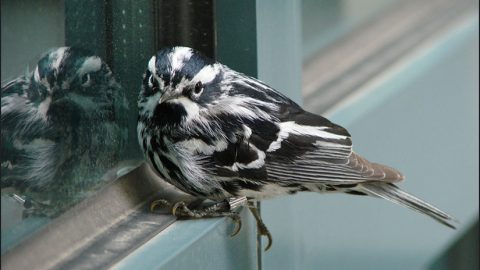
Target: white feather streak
{"x": 207, "y": 74}
{"x": 200, "y": 147}
{"x": 290, "y": 127}
{"x": 179, "y": 56}
{"x": 148, "y": 107}
{"x": 151, "y": 65}
{"x": 191, "y": 107}
{"x": 43, "y": 108}
{"x": 91, "y": 64}
{"x": 59, "y": 55}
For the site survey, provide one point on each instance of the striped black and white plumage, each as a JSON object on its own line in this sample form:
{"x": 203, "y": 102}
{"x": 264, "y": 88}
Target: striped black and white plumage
{"x": 216, "y": 133}
{"x": 61, "y": 127}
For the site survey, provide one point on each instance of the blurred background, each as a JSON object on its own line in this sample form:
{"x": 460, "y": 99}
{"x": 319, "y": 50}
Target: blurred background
{"x": 401, "y": 76}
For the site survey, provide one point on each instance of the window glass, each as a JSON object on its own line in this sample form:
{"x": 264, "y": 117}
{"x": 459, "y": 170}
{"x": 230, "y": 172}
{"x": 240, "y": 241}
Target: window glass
{"x": 326, "y": 21}
{"x": 70, "y": 77}
{"x": 71, "y": 72}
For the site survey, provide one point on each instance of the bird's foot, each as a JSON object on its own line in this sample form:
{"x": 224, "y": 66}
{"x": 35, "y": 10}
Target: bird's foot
{"x": 159, "y": 204}
{"x": 261, "y": 227}
{"x": 220, "y": 209}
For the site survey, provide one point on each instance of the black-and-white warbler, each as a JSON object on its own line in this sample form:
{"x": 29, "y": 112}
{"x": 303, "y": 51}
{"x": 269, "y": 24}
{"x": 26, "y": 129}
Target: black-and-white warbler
{"x": 62, "y": 128}
{"x": 217, "y": 134}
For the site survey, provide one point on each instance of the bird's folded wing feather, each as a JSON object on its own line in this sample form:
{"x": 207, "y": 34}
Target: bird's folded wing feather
{"x": 310, "y": 148}
{"x": 295, "y": 146}
{"x": 297, "y": 153}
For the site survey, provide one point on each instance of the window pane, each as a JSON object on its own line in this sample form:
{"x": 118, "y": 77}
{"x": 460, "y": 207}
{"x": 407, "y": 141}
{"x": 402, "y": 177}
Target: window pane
{"x": 68, "y": 121}
{"x": 327, "y": 21}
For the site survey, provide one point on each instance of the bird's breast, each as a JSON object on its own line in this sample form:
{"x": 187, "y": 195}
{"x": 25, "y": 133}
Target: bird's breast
{"x": 168, "y": 114}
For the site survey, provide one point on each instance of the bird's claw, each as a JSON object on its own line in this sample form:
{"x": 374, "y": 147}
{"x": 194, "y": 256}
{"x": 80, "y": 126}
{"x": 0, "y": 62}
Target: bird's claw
{"x": 184, "y": 210}
{"x": 180, "y": 209}
{"x": 158, "y": 203}
{"x": 265, "y": 232}
{"x": 238, "y": 224}
{"x": 261, "y": 227}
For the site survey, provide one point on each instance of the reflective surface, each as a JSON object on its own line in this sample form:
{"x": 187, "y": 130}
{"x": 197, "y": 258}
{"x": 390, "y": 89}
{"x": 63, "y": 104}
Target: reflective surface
{"x": 86, "y": 117}
{"x": 63, "y": 127}
{"x": 326, "y": 21}
{"x": 65, "y": 116}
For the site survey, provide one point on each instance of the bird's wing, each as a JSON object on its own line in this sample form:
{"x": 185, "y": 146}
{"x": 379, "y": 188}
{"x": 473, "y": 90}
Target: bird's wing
{"x": 311, "y": 149}
{"x": 23, "y": 148}
{"x": 295, "y": 145}
{"x": 10, "y": 155}
{"x": 293, "y": 152}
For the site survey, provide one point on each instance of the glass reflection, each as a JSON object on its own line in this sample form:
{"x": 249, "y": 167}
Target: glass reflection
{"x": 63, "y": 128}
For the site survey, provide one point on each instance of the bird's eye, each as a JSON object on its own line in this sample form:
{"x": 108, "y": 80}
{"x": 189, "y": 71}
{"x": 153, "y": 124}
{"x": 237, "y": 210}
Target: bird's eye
{"x": 198, "y": 88}
{"x": 86, "y": 81}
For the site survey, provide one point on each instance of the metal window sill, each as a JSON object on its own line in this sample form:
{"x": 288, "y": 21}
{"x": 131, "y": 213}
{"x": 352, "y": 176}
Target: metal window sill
{"x": 100, "y": 229}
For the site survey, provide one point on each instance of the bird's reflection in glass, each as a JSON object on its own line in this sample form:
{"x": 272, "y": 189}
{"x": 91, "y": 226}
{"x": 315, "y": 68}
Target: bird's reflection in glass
{"x": 63, "y": 128}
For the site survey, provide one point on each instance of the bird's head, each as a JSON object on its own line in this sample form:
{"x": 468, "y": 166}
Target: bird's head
{"x": 69, "y": 78}
{"x": 178, "y": 84}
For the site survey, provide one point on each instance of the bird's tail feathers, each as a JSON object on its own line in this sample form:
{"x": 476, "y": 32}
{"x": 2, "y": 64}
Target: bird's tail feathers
{"x": 394, "y": 194}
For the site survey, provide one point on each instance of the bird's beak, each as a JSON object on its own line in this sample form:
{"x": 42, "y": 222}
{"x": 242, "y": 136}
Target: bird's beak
{"x": 168, "y": 95}
{"x": 57, "y": 94}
